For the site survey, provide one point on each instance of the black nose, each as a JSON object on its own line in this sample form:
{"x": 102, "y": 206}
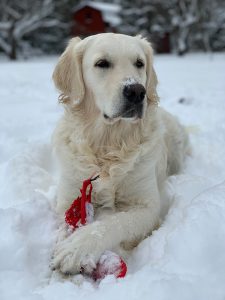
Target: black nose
{"x": 134, "y": 93}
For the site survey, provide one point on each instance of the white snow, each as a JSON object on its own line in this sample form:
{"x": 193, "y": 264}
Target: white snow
{"x": 89, "y": 213}
{"x": 129, "y": 81}
{"x": 183, "y": 259}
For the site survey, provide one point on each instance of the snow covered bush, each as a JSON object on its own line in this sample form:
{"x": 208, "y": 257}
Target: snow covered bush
{"x": 39, "y": 24}
{"x": 191, "y": 24}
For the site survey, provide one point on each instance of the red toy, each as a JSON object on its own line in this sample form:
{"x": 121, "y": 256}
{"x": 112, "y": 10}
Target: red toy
{"x": 81, "y": 213}
{"x": 76, "y": 215}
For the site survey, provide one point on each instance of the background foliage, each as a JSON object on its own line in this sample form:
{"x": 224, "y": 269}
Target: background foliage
{"x": 43, "y": 26}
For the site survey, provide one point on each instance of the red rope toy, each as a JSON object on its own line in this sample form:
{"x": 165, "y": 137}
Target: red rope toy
{"x": 78, "y": 215}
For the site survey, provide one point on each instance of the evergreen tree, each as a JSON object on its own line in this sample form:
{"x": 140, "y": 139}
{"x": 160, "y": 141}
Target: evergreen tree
{"x": 191, "y": 24}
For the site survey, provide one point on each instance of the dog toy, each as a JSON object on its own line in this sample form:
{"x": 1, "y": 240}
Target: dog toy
{"x": 80, "y": 213}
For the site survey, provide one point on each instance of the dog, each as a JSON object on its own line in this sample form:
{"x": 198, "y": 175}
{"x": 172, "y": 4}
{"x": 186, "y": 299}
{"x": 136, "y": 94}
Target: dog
{"x": 112, "y": 126}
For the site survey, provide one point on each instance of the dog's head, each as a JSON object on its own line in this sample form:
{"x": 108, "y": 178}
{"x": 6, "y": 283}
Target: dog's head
{"x": 114, "y": 71}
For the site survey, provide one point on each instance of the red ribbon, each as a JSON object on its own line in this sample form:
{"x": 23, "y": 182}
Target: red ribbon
{"x": 76, "y": 215}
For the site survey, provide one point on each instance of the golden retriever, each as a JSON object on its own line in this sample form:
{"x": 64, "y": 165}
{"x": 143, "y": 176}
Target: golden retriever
{"x": 113, "y": 126}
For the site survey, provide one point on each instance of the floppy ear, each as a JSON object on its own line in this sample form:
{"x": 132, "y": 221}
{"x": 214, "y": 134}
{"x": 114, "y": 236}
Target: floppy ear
{"x": 67, "y": 75}
{"x": 152, "y": 80}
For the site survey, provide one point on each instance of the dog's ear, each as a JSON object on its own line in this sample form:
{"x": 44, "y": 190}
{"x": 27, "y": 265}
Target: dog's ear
{"x": 67, "y": 75}
{"x": 152, "y": 80}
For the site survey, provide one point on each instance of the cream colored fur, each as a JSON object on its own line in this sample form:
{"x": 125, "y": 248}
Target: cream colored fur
{"x": 133, "y": 156}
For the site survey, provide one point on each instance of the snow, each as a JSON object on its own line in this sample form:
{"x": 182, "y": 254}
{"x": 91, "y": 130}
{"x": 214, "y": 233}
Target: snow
{"x": 89, "y": 213}
{"x": 114, "y": 8}
{"x": 129, "y": 81}
{"x": 183, "y": 259}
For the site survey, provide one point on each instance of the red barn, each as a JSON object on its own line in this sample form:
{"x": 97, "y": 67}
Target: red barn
{"x": 95, "y": 17}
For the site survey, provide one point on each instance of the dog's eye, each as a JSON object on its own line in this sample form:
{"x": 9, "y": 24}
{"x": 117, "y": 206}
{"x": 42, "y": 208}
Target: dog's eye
{"x": 139, "y": 63}
{"x": 103, "y": 63}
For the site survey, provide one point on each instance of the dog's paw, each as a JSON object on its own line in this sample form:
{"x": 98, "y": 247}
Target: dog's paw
{"x": 80, "y": 251}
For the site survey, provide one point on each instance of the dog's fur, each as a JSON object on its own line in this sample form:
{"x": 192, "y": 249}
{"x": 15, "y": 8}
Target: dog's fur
{"x": 133, "y": 156}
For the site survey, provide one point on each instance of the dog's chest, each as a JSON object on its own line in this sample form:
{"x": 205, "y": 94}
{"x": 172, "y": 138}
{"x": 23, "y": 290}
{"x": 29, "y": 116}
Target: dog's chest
{"x": 108, "y": 189}
{"x": 123, "y": 184}
{"x": 122, "y": 168}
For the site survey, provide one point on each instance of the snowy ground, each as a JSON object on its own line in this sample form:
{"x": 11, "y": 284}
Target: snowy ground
{"x": 183, "y": 259}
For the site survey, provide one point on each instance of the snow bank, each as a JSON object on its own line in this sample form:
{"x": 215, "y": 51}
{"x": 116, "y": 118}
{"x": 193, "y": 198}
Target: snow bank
{"x": 183, "y": 259}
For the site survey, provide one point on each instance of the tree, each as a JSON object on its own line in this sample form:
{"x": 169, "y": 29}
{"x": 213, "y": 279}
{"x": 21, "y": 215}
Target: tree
{"x": 25, "y": 23}
{"x": 191, "y": 24}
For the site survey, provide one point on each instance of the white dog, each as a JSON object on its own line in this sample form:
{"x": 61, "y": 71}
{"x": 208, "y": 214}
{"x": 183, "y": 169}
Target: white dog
{"x": 112, "y": 126}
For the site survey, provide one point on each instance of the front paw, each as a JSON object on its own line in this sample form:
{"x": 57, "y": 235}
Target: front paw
{"x": 80, "y": 251}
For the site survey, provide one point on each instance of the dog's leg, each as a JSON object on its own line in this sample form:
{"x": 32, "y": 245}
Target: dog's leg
{"x": 83, "y": 248}
{"x": 67, "y": 192}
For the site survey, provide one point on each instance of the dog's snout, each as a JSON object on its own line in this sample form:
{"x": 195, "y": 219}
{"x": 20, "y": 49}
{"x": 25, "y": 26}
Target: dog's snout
{"x": 134, "y": 92}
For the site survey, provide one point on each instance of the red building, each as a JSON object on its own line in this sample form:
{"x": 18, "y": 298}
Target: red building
{"x": 95, "y": 17}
